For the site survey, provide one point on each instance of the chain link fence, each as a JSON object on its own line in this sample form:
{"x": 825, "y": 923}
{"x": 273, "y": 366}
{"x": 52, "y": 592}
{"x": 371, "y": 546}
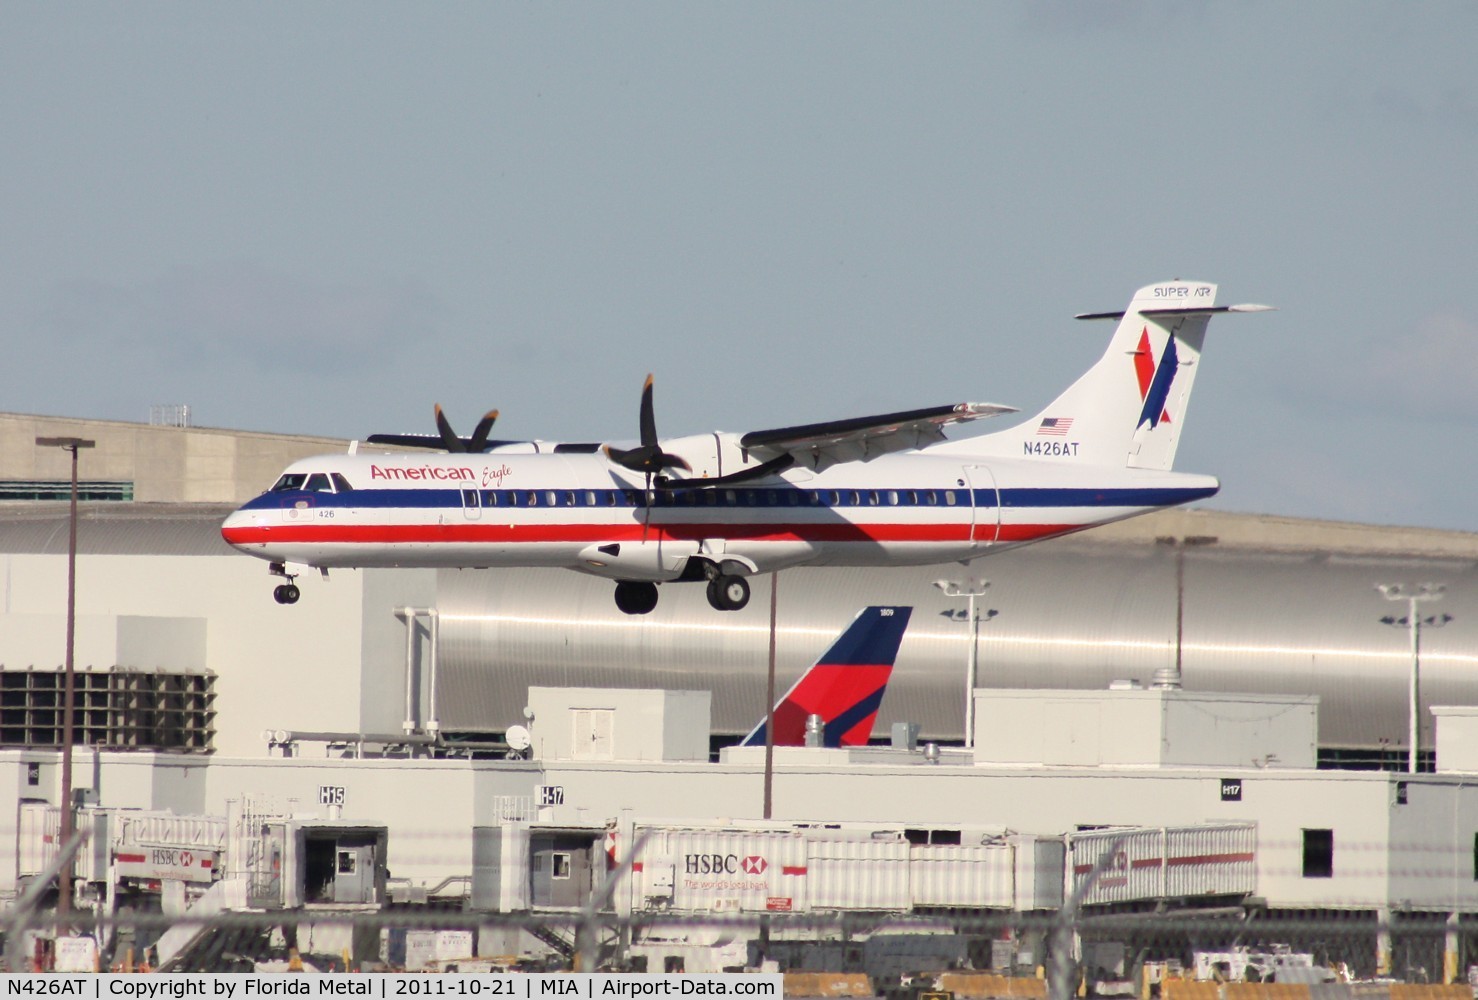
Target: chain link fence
{"x": 1180, "y": 947}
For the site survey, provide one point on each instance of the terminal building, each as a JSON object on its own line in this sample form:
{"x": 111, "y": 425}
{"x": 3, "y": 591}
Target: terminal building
{"x": 1192, "y": 710}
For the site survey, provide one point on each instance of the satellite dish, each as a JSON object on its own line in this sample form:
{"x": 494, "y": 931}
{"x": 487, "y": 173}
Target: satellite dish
{"x": 518, "y": 738}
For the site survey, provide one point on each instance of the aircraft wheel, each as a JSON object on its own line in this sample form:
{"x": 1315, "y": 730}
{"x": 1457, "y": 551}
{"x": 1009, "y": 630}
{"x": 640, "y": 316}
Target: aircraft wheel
{"x": 286, "y": 593}
{"x": 728, "y": 593}
{"x": 635, "y": 598}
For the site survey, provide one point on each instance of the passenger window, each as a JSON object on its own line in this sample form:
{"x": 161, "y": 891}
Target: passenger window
{"x": 470, "y": 499}
{"x": 317, "y": 483}
{"x": 931, "y": 498}
{"x": 949, "y": 497}
{"x": 872, "y": 498}
{"x": 340, "y": 483}
{"x": 590, "y": 498}
{"x": 288, "y": 483}
{"x": 892, "y": 498}
{"x": 533, "y": 498}
{"x": 550, "y": 498}
{"x": 491, "y": 500}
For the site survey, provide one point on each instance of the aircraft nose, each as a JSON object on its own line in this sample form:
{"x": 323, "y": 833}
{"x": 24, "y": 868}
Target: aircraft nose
{"x": 241, "y": 529}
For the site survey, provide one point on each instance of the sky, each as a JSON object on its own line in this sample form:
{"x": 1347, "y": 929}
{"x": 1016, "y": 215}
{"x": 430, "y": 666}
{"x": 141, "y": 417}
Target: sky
{"x": 324, "y": 218}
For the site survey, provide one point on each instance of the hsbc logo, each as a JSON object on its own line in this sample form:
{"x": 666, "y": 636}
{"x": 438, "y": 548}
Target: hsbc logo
{"x": 724, "y": 864}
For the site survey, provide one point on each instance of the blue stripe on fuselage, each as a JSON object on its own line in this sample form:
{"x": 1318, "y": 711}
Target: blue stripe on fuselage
{"x": 772, "y": 499}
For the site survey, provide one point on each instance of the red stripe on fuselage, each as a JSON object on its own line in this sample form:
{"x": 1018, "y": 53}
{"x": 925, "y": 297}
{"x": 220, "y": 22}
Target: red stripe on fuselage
{"x": 390, "y": 534}
{"x": 393, "y": 533}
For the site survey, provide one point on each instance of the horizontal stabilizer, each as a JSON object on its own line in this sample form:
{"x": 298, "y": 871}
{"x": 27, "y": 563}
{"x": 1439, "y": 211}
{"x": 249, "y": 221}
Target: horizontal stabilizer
{"x": 1198, "y": 311}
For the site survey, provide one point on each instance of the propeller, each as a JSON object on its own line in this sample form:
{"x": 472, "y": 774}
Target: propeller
{"x": 445, "y": 439}
{"x": 647, "y": 458}
{"x": 777, "y": 464}
{"x": 476, "y": 444}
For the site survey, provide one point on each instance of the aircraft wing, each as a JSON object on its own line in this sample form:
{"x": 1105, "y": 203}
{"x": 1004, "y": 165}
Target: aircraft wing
{"x": 860, "y": 438}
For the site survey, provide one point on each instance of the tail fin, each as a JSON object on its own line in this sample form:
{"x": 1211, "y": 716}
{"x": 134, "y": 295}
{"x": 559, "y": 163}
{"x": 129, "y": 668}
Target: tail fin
{"x": 1130, "y": 407}
{"x": 844, "y": 687}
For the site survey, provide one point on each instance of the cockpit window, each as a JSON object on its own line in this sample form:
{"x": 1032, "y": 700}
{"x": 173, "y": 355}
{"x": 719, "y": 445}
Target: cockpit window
{"x": 317, "y": 483}
{"x": 289, "y": 482}
{"x": 340, "y": 483}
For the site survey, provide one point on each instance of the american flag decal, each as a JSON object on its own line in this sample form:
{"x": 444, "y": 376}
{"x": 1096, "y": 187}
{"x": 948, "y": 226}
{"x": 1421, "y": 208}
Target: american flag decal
{"x": 1055, "y": 426}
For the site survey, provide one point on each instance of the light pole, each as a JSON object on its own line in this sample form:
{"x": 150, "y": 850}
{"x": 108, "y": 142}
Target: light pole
{"x": 1414, "y": 595}
{"x": 64, "y": 876}
{"x": 1175, "y": 678}
{"x": 770, "y": 701}
{"x": 970, "y": 590}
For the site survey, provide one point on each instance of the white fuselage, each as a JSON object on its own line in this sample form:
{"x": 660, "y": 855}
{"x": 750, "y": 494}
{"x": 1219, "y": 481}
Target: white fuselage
{"x": 580, "y": 511}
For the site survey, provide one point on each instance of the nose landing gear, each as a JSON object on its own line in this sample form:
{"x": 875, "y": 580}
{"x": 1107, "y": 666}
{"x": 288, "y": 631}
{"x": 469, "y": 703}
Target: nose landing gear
{"x": 284, "y": 593}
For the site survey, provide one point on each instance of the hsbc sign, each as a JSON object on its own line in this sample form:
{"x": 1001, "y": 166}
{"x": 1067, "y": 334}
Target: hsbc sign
{"x": 724, "y": 864}
{"x": 149, "y": 862}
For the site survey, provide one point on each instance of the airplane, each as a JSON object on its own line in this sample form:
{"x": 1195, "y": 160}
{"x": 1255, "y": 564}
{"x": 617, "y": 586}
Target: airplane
{"x": 844, "y": 687}
{"x": 718, "y": 508}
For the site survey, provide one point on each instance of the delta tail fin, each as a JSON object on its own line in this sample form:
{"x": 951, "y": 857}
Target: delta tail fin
{"x": 844, "y": 687}
{"x": 1130, "y": 407}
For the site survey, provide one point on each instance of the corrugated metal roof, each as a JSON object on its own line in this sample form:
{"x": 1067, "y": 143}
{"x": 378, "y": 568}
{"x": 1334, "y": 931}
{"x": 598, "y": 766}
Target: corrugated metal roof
{"x": 1275, "y": 606}
{"x": 1075, "y": 613}
{"x": 145, "y": 529}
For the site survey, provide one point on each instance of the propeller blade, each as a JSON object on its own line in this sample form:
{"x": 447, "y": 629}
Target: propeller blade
{"x": 778, "y": 464}
{"x": 448, "y": 436}
{"x": 479, "y": 442}
{"x": 648, "y": 419}
{"x": 648, "y": 457}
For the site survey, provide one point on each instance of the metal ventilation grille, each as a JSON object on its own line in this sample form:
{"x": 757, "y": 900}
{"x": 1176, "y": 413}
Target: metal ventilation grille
{"x": 113, "y": 710}
{"x": 61, "y": 489}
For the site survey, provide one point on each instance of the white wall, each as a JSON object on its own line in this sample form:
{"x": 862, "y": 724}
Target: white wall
{"x": 333, "y": 662}
{"x": 1419, "y": 854}
{"x": 1145, "y": 727}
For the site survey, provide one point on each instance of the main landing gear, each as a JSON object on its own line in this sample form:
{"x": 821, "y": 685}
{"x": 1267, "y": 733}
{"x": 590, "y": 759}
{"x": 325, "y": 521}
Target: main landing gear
{"x": 728, "y": 593}
{"x": 284, "y": 593}
{"x": 725, "y": 593}
{"x": 635, "y": 598}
